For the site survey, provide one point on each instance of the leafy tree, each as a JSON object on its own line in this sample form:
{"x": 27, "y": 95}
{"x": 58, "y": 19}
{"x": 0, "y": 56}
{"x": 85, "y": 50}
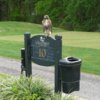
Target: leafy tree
{"x": 69, "y": 14}
{"x": 84, "y": 14}
{"x": 3, "y": 8}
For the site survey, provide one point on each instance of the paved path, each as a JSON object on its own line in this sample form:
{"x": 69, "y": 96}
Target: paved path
{"x": 89, "y": 84}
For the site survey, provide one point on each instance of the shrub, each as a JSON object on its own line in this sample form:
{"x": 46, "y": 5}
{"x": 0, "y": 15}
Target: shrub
{"x": 24, "y": 89}
{"x": 27, "y": 89}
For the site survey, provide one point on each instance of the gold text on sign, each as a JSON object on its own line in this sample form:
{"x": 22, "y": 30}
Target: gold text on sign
{"x": 42, "y": 52}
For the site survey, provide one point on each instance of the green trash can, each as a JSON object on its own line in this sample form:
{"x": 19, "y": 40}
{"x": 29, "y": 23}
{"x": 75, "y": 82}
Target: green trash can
{"x": 70, "y": 74}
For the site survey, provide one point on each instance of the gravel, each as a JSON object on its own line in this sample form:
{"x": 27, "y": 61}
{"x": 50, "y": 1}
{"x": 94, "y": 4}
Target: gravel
{"x": 89, "y": 84}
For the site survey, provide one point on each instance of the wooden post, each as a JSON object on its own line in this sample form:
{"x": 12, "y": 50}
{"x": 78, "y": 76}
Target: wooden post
{"x": 58, "y": 53}
{"x": 28, "y": 64}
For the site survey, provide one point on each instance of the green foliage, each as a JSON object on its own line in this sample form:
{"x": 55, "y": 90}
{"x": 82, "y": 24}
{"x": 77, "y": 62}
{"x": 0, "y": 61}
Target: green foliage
{"x": 24, "y": 89}
{"x": 84, "y": 14}
{"x": 52, "y": 8}
{"x": 17, "y": 10}
{"x": 71, "y": 14}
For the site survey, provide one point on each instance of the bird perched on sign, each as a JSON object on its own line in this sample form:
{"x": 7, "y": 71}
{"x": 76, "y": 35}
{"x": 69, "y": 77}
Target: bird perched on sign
{"x": 47, "y": 25}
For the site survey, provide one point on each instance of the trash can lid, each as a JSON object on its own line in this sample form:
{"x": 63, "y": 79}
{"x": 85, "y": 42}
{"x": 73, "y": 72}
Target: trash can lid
{"x": 70, "y": 60}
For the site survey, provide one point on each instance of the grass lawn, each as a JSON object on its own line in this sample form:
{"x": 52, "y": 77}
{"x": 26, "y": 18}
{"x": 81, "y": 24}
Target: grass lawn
{"x": 85, "y": 45}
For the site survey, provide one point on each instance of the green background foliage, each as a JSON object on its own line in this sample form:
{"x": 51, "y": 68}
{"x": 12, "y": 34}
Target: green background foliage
{"x": 79, "y": 15}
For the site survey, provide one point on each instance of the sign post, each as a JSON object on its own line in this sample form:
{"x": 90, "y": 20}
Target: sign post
{"x": 58, "y": 55}
{"x": 28, "y": 65}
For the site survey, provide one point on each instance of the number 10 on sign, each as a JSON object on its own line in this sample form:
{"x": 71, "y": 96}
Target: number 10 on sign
{"x": 42, "y": 52}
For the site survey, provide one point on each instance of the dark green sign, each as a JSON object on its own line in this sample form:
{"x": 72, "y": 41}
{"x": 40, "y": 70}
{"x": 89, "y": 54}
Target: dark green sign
{"x": 43, "y": 50}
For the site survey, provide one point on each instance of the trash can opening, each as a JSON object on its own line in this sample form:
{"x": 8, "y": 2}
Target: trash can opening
{"x": 72, "y": 59}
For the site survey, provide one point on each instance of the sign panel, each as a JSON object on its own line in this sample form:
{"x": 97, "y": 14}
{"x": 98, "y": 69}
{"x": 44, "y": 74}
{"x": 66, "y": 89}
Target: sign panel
{"x": 43, "y": 50}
